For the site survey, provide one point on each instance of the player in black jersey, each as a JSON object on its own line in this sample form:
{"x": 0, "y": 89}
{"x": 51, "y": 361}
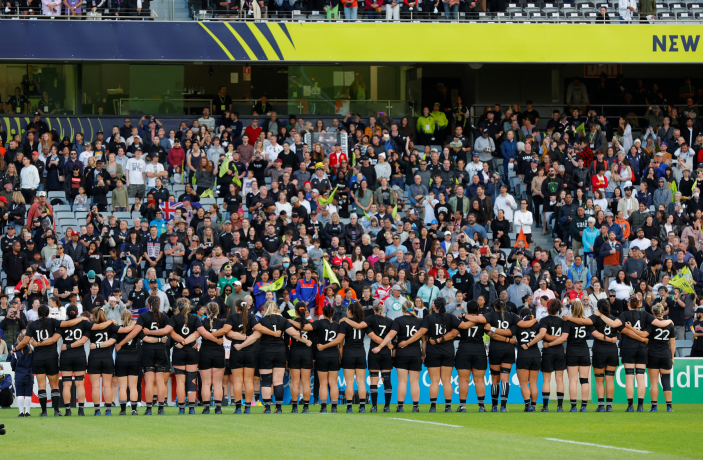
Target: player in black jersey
{"x": 377, "y": 327}
{"x": 185, "y": 357}
{"x": 529, "y": 358}
{"x": 470, "y": 359}
{"x": 661, "y": 349}
{"x": 633, "y": 349}
{"x": 211, "y": 360}
{"x": 440, "y": 329}
{"x": 43, "y": 334}
{"x": 578, "y": 356}
{"x": 272, "y": 355}
{"x": 501, "y": 327}
{"x": 73, "y": 362}
{"x": 353, "y": 355}
{"x": 242, "y": 362}
{"x": 154, "y": 360}
{"x": 127, "y": 365}
{"x": 408, "y": 360}
{"x": 300, "y": 362}
{"x": 605, "y": 354}
{"x": 100, "y": 363}
{"x": 327, "y": 359}
{"x": 553, "y": 355}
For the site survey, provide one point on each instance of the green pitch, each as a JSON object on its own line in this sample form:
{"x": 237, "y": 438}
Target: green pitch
{"x": 374, "y": 436}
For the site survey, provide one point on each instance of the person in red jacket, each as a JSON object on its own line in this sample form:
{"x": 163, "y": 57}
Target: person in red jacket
{"x": 599, "y": 181}
{"x": 176, "y": 157}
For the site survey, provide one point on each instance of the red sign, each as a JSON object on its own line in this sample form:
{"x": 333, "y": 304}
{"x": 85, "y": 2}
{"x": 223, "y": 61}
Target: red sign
{"x": 246, "y": 74}
{"x": 594, "y": 70}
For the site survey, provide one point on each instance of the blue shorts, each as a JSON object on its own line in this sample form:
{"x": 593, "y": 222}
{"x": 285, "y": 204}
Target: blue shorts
{"x": 24, "y": 389}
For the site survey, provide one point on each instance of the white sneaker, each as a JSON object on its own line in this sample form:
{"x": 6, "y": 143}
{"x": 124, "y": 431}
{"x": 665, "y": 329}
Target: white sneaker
{"x": 139, "y": 404}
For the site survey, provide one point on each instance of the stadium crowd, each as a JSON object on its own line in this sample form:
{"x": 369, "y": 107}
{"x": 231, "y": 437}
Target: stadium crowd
{"x": 221, "y": 213}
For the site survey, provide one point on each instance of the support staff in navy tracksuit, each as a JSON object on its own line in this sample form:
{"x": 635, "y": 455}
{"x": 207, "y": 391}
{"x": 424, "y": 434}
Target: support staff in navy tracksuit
{"x": 21, "y": 364}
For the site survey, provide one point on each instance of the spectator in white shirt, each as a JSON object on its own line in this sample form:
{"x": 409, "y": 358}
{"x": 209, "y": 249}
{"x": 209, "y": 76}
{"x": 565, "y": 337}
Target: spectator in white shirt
{"x": 207, "y": 120}
{"x": 154, "y": 170}
{"x": 523, "y": 219}
{"x": 29, "y": 180}
{"x": 625, "y": 9}
{"x": 136, "y": 168}
{"x": 505, "y": 202}
{"x": 273, "y": 149}
{"x": 484, "y": 145}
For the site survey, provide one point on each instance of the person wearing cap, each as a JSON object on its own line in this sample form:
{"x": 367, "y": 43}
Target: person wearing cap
{"x": 519, "y": 289}
{"x": 174, "y": 252}
{"x": 226, "y": 279}
{"x": 113, "y": 309}
{"x": 109, "y": 283}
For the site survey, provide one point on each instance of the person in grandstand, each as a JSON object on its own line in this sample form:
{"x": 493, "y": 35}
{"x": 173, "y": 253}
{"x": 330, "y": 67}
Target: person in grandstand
{"x": 42, "y": 334}
{"x": 408, "y": 360}
{"x": 470, "y": 359}
{"x": 633, "y": 350}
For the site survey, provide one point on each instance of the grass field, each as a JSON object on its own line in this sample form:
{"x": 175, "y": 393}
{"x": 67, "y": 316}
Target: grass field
{"x": 310, "y": 436}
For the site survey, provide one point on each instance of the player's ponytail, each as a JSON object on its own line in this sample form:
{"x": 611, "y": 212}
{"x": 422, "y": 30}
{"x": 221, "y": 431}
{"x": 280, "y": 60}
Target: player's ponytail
{"x": 154, "y": 303}
{"x": 554, "y": 307}
{"x": 499, "y": 306}
{"x": 328, "y": 312}
{"x": 126, "y": 317}
{"x": 99, "y": 315}
{"x": 243, "y": 310}
{"x": 603, "y": 306}
{"x": 213, "y": 309}
{"x": 71, "y": 312}
{"x": 301, "y": 312}
{"x": 271, "y": 308}
{"x": 440, "y": 306}
{"x": 43, "y": 313}
{"x": 183, "y": 305}
{"x": 658, "y": 310}
{"x": 577, "y": 308}
{"x": 409, "y": 308}
{"x": 634, "y": 303}
{"x": 379, "y": 309}
{"x": 356, "y": 311}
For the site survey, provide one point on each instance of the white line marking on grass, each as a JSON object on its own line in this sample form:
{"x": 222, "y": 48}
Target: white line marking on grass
{"x": 598, "y": 445}
{"x": 429, "y": 423}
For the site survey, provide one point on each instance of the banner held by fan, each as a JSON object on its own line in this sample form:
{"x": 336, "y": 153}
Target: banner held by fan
{"x": 521, "y": 236}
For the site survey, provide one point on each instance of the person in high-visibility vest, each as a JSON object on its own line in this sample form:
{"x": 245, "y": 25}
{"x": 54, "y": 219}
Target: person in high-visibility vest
{"x": 425, "y": 128}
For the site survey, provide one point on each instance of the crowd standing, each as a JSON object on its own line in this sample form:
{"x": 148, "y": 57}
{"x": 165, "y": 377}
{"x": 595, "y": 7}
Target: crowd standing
{"x": 385, "y": 231}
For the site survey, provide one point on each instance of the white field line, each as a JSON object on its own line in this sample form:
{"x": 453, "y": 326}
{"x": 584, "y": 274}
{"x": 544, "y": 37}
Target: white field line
{"x": 429, "y": 423}
{"x": 598, "y": 445}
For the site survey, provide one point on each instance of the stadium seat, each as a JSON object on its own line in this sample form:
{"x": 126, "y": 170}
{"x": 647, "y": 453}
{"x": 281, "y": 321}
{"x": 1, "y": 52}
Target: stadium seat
{"x": 538, "y": 17}
{"x": 123, "y": 215}
{"x": 513, "y": 8}
{"x": 532, "y": 7}
{"x": 683, "y": 348}
{"x": 62, "y": 208}
{"x": 678, "y": 9}
{"x": 666, "y": 16}
{"x": 556, "y": 16}
{"x": 549, "y": 8}
{"x": 519, "y": 16}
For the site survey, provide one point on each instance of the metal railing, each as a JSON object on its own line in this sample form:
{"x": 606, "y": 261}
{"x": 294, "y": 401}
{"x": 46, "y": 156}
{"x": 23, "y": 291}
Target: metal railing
{"x": 122, "y": 14}
{"x": 300, "y": 106}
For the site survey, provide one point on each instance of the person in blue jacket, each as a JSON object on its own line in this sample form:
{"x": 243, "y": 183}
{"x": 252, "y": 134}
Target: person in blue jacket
{"x": 509, "y": 151}
{"x": 306, "y": 290}
{"x": 21, "y": 363}
{"x": 259, "y": 295}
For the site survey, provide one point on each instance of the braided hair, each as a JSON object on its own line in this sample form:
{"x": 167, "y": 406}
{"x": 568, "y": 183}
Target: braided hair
{"x": 243, "y": 310}
{"x": 43, "y": 313}
{"x": 440, "y": 306}
{"x": 154, "y": 304}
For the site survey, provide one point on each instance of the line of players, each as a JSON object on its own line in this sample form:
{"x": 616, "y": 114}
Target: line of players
{"x": 271, "y": 344}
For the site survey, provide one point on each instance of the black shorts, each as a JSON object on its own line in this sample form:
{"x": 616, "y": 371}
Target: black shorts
{"x": 574, "y": 361}
{"x": 531, "y": 364}
{"x": 327, "y": 364}
{"x": 154, "y": 358}
{"x": 126, "y": 365}
{"x": 211, "y": 362}
{"x": 241, "y": 359}
{"x": 634, "y": 355}
{"x": 101, "y": 366}
{"x": 187, "y": 356}
{"x": 553, "y": 362}
{"x": 228, "y": 370}
{"x": 45, "y": 366}
{"x": 300, "y": 359}
{"x": 608, "y": 359}
{"x": 272, "y": 359}
{"x": 439, "y": 360}
{"x": 408, "y": 363}
{"x": 663, "y": 362}
{"x": 468, "y": 361}
{"x": 380, "y": 362}
{"x": 496, "y": 357}
{"x": 353, "y": 360}
{"x": 74, "y": 362}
